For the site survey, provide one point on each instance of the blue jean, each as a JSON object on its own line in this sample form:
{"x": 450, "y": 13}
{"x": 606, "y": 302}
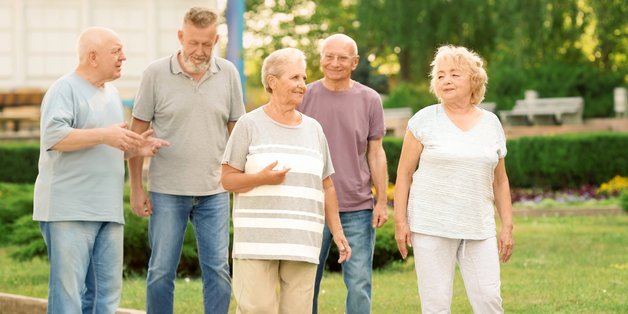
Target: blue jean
{"x": 85, "y": 266}
{"x": 166, "y": 229}
{"x": 358, "y": 271}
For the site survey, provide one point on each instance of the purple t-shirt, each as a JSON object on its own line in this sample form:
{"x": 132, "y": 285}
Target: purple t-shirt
{"x": 349, "y": 119}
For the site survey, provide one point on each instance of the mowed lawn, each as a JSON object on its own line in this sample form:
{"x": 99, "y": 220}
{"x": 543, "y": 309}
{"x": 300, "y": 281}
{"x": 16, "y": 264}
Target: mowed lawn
{"x": 560, "y": 265}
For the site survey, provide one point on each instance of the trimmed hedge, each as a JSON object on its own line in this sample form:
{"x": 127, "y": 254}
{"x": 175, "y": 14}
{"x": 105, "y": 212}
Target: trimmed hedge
{"x": 555, "y": 162}
{"x": 541, "y": 161}
{"x": 562, "y": 161}
{"x": 18, "y": 162}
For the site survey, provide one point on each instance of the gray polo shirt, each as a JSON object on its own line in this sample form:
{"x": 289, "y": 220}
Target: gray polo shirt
{"x": 192, "y": 116}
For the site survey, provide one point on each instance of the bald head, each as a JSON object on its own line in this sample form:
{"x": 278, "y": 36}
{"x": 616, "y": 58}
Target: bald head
{"x": 340, "y": 40}
{"x": 100, "y": 55}
{"x": 94, "y": 39}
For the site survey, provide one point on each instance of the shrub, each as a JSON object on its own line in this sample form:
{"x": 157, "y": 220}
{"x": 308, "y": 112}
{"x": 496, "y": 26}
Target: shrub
{"x": 19, "y": 162}
{"x": 613, "y": 186}
{"x": 27, "y": 236}
{"x": 392, "y": 147}
{"x": 507, "y": 83}
{"x": 137, "y": 248}
{"x": 385, "y": 249}
{"x": 407, "y": 95}
{"x": 570, "y": 160}
{"x": 623, "y": 200}
{"x": 17, "y": 201}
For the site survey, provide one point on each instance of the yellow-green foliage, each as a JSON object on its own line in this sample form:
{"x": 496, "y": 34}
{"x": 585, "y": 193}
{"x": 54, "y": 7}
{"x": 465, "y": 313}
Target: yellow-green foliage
{"x": 613, "y": 186}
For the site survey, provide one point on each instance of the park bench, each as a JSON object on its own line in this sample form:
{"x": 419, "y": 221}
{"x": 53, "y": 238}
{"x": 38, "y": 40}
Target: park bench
{"x": 488, "y": 106}
{"x": 559, "y": 110}
{"x": 19, "y": 108}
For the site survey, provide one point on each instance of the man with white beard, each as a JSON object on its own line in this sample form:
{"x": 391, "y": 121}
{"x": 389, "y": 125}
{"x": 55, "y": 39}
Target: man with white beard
{"x": 193, "y": 100}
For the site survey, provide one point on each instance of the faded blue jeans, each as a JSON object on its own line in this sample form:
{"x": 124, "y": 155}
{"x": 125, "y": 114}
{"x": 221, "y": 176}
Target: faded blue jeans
{"x": 85, "y": 266}
{"x": 358, "y": 271}
{"x": 210, "y": 218}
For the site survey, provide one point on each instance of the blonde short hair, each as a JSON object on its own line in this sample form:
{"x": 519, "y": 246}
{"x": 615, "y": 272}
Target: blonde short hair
{"x": 275, "y": 62}
{"x": 466, "y": 60}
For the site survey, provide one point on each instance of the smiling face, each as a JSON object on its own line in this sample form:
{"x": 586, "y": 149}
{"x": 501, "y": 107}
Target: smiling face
{"x": 288, "y": 87}
{"x": 197, "y": 45}
{"x": 452, "y": 82}
{"x": 338, "y": 59}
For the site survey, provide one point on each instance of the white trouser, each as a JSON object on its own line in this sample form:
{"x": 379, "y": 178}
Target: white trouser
{"x": 435, "y": 262}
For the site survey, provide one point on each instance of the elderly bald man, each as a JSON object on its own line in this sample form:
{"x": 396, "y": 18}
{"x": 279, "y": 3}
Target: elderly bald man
{"x": 78, "y": 192}
{"x": 352, "y": 118}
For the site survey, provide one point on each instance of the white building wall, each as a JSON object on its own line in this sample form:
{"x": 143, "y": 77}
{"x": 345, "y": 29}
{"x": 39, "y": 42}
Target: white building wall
{"x": 38, "y": 37}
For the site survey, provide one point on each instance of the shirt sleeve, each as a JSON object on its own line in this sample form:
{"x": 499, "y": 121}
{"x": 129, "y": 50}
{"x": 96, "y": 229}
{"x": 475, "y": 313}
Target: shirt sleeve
{"x": 501, "y": 139}
{"x": 328, "y": 167}
{"x": 237, "y": 148}
{"x": 418, "y": 124}
{"x": 237, "y": 100}
{"x": 377, "y": 128}
{"x": 144, "y": 105}
{"x": 58, "y": 115}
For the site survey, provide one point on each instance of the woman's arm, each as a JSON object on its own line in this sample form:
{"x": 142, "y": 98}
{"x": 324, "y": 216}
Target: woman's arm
{"x": 332, "y": 218}
{"x": 237, "y": 181}
{"x": 408, "y": 161}
{"x": 503, "y": 203}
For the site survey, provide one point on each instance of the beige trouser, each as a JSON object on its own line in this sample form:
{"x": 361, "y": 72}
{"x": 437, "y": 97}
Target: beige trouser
{"x": 273, "y": 286}
{"x": 435, "y": 262}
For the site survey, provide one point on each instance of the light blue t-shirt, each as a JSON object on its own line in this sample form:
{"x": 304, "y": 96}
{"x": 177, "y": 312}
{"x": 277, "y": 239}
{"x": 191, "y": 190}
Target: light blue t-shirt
{"x": 83, "y": 185}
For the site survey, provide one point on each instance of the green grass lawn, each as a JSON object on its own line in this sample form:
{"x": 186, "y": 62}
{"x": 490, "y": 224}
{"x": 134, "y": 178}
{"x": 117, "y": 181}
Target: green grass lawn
{"x": 560, "y": 265}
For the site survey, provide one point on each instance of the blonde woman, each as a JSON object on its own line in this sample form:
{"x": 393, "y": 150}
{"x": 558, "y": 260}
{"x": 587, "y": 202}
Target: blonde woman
{"x": 445, "y": 208}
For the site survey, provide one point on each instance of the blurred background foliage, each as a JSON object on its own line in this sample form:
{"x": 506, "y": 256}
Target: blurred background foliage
{"x": 559, "y": 48}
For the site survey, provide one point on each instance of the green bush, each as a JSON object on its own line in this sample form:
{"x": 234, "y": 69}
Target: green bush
{"x": 407, "y": 95}
{"x": 137, "y": 248}
{"x": 571, "y": 160}
{"x": 16, "y": 201}
{"x": 18, "y": 162}
{"x": 623, "y": 200}
{"x": 18, "y": 228}
{"x": 392, "y": 147}
{"x": 556, "y": 162}
{"x": 27, "y": 236}
{"x": 507, "y": 83}
{"x": 385, "y": 249}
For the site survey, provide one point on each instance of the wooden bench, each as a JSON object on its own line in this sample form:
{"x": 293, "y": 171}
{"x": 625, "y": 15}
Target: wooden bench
{"x": 488, "y": 106}
{"x": 559, "y": 110}
{"x": 20, "y": 108}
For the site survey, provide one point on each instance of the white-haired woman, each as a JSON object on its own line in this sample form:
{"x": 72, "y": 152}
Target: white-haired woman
{"x": 278, "y": 165}
{"x": 445, "y": 208}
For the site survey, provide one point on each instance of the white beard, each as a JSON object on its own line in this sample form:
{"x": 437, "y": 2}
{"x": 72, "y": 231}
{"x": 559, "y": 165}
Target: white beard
{"x": 192, "y": 67}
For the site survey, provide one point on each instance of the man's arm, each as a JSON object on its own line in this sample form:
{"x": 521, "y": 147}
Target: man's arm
{"x": 139, "y": 200}
{"x": 117, "y": 136}
{"x": 230, "y": 126}
{"x": 376, "y": 158}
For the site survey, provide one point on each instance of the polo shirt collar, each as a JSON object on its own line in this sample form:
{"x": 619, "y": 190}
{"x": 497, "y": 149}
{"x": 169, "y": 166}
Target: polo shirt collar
{"x": 175, "y": 67}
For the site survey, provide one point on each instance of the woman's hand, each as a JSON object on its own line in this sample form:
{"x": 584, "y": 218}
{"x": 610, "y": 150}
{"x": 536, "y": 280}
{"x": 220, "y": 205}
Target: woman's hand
{"x": 403, "y": 236}
{"x": 343, "y": 246}
{"x": 505, "y": 244}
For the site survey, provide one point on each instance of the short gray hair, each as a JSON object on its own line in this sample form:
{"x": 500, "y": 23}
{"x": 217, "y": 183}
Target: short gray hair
{"x": 463, "y": 59}
{"x": 275, "y": 62}
{"x": 342, "y": 37}
{"x": 201, "y": 17}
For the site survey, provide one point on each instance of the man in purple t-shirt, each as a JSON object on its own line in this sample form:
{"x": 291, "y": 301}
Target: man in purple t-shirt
{"x": 352, "y": 118}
